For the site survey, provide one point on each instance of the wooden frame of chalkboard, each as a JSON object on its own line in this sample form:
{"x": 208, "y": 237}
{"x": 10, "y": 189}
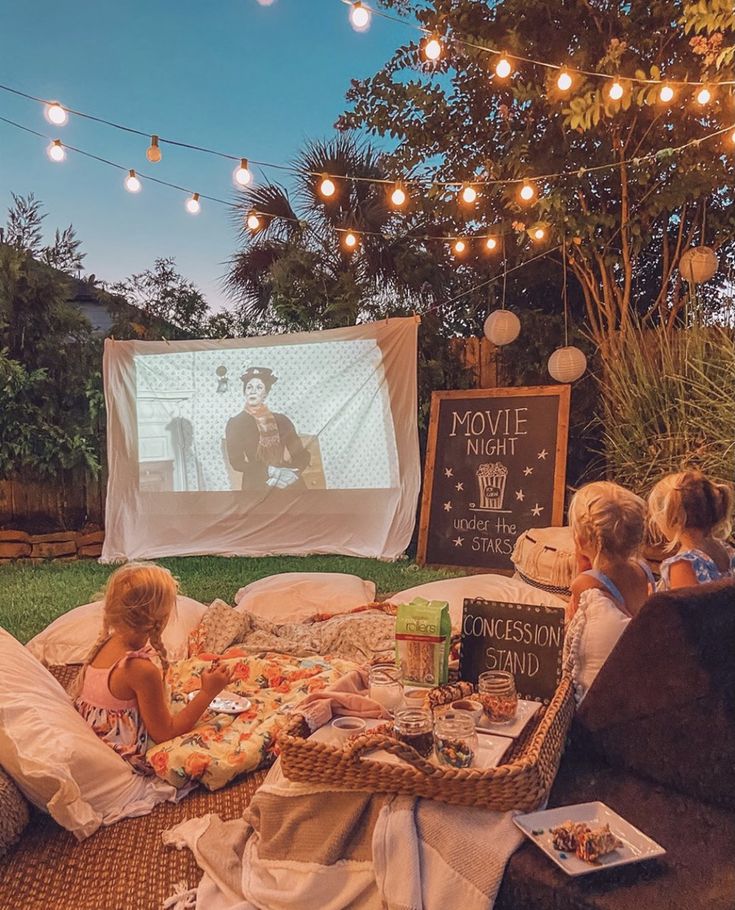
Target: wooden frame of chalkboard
{"x": 507, "y": 426}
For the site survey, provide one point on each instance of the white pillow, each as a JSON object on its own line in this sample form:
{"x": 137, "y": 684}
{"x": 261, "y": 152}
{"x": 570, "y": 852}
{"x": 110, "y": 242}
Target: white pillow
{"x": 294, "y": 596}
{"x": 54, "y": 756}
{"x": 489, "y": 587}
{"x": 592, "y": 634}
{"x": 69, "y": 638}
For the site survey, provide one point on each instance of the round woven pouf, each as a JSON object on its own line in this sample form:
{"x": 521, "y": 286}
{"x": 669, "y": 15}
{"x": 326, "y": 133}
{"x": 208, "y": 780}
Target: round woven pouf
{"x": 13, "y": 812}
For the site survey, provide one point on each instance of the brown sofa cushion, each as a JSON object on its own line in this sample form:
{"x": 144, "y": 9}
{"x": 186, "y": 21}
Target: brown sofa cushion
{"x": 663, "y": 704}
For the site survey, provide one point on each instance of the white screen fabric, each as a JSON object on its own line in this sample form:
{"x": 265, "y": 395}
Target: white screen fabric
{"x": 286, "y": 444}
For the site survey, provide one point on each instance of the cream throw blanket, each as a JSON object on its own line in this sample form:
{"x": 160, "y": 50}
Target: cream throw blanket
{"x": 305, "y": 846}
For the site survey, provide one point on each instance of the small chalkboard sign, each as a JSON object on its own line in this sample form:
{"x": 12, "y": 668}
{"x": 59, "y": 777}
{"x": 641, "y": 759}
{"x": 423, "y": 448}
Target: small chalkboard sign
{"x": 495, "y": 467}
{"x": 524, "y": 639}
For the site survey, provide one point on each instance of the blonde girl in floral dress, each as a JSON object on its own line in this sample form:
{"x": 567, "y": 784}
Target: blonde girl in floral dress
{"x": 120, "y": 689}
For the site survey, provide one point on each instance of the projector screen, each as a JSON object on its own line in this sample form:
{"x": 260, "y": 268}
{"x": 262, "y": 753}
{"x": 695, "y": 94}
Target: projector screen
{"x": 290, "y": 444}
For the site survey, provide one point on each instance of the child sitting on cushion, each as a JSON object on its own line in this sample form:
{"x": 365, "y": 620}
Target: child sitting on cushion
{"x": 119, "y": 690}
{"x": 608, "y": 524}
{"x": 695, "y": 516}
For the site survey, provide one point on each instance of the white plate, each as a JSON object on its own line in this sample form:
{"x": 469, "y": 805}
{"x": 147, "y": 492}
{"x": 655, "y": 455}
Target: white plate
{"x": 490, "y": 750}
{"x": 526, "y": 710}
{"x": 637, "y": 846}
{"x": 227, "y": 703}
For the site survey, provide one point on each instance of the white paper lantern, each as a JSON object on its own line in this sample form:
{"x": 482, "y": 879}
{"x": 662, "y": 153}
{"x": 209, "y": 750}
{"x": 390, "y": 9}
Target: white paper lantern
{"x": 567, "y": 364}
{"x": 502, "y": 327}
{"x": 698, "y": 264}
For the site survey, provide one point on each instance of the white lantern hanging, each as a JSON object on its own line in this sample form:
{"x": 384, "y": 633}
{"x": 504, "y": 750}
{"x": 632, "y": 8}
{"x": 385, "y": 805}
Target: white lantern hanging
{"x": 567, "y": 364}
{"x": 502, "y": 327}
{"x": 698, "y": 264}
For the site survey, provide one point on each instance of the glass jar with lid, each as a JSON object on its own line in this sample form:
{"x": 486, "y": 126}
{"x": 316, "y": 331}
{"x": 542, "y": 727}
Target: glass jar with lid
{"x": 386, "y": 686}
{"x": 413, "y": 727}
{"x": 455, "y": 739}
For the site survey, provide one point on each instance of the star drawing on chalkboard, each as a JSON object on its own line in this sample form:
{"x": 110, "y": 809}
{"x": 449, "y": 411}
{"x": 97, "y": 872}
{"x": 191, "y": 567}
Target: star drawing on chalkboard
{"x": 520, "y": 495}
{"x": 458, "y": 541}
{"x": 542, "y": 454}
{"x": 448, "y": 472}
{"x": 448, "y": 506}
{"x": 537, "y": 510}
{"x": 527, "y": 472}
{"x": 459, "y": 487}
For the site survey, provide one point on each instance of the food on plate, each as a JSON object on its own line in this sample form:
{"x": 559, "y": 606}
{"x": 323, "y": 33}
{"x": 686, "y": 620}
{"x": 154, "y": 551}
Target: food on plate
{"x": 566, "y": 836}
{"x": 596, "y": 843}
{"x": 443, "y": 694}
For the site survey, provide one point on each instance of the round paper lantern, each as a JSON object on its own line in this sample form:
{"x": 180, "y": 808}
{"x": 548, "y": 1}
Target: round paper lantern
{"x": 567, "y": 364}
{"x": 698, "y": 264}
{"x": 502, "y": 327}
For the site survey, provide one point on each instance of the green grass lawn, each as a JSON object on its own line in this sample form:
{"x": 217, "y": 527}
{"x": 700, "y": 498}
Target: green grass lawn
{"x": 33, "y": 595}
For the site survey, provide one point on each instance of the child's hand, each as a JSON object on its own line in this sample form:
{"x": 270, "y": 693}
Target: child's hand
{"x": 215, "y": 679}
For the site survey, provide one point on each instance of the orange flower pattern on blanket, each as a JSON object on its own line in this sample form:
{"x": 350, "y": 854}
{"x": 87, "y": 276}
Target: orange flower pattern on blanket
{"x": 222, "y": 746}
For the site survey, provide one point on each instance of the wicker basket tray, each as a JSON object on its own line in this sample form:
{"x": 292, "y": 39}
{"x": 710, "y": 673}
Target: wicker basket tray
{"x": 523, "y": 782}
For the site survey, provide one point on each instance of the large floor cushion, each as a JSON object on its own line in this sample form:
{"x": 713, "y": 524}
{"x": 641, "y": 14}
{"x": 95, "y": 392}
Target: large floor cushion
{"x": 696, "y": 873}
{"x": 294, "y": 596}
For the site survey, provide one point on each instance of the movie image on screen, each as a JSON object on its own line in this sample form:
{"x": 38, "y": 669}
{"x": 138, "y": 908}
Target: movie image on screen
{"x": 267, "y": 419}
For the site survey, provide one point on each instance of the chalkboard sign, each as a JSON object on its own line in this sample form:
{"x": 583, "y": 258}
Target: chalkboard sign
{"x": 495, "y": 467}
{"x": 523, "y": 639}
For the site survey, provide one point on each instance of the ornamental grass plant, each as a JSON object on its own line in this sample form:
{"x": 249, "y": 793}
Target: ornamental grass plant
{"x": 667, "y": 402}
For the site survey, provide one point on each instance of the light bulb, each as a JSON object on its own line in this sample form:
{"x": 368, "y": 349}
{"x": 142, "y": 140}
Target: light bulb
{"x": 704, "y": 96}
{"x": 732, "y": 137}
{"x": 503, "y": 69}
{"x": 564, "y": 82}
{"x": 491, "y": 243}
{"x": 616, "y": 91}
{"x": 433, "y": 49}
{"x": 460, "y": 247}
{"x": 398, "y": 197}
{"x": 241, "y": 175}
{"x": 360, "y": 17}
{"x": 528, "y": 191}
{"x": 56, "y": 151}
{"x": 666, "y": 94}
{"x": 350, "y": 240}
{"x": 132, "y": 182}
{"x": 153, "y": 153}
{"x": 327, "y": 187}
{"x": 56, "y": 114}
{"x": 469, "y": 195}
{"x": 253, "y": 221}
{"x": 539, "y": 233}
{"x": 193, "y": 206}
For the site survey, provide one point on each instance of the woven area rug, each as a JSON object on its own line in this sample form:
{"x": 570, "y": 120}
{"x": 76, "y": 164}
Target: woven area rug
{"x": 123, "y": 867}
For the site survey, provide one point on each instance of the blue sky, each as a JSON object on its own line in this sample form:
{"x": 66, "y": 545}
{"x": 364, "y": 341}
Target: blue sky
{"x": 248, "y": 79}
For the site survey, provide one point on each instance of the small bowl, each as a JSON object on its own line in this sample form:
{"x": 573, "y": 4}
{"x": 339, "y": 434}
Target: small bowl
{"x": 415, "y": 698}
{"x": 348, "y": 726}
{"x": 469, "y": 706}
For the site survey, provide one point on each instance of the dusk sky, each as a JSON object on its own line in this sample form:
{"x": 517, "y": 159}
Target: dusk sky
{"x": 233, "y": 75}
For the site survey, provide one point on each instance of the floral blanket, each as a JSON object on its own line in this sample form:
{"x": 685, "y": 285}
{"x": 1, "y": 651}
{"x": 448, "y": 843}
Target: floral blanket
{"x": 222, "y": 746}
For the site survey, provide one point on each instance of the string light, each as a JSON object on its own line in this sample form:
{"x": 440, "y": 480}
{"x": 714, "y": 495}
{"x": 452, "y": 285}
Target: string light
{"x": 56, "y": 114}
{"x": 153, "y": 152}
{"x": 468, "y": 194}
{"x": 360, "y": 17}
{"x": 616, "y": 91}
{"x": 132, "y": 182}
{"x": 193, "y": 206}
{"x": 327, "y": 186}
{"x": 459, "y": 247}
{"x": 433, "y": 49}
{"x": 56, "y": 151}
{"x": 241, "y": 175}
{"x": 666, "y": 94}
{"x": 253, "y": 221}
{"x": 539, "y": 233}
{"x": 564, "y": 82}
{"x": 503, "y": 69}
{"x": 398, "y": 196}
{"x": 490, "y": 244}
{"x": 704, "y": 96}
{"x": 350, "y": 240}
{"x": 732, "y": 137}
{"x": 527, "y": 192}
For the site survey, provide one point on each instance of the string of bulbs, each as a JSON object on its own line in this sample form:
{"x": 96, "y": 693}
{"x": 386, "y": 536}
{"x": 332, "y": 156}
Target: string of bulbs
{"x": 433, "y": 49}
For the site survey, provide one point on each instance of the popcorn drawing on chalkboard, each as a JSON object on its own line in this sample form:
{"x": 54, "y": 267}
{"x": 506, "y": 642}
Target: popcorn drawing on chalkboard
{"x": 491, "y": 479}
